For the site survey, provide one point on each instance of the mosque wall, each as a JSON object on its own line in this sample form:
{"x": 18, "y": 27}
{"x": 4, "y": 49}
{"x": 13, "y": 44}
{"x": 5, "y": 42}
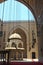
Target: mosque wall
{"x": 29, "y": 31}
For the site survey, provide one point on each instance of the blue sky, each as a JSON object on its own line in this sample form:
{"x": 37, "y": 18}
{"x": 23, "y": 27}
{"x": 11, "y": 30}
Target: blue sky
{"x": 15, "y": 11}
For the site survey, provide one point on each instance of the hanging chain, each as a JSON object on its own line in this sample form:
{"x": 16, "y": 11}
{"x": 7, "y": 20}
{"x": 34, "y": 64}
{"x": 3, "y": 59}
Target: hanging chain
{"x": 3, "y": 11}
{"x": 2, "y": 16}
{"x": 2, "y": 20}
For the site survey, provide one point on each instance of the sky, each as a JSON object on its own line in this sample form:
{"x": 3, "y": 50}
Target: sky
{"x": 15, "y": 11}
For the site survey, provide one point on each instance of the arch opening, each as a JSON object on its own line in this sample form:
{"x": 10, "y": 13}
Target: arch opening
{"x": 23, "y": 17}
{"x": 23, "y": 39}
{"x": 13, "y": 13}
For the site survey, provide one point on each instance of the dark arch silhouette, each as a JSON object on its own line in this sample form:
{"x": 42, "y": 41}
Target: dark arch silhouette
{"x": 29, "y": 7}
{"x": 13, "y": 44}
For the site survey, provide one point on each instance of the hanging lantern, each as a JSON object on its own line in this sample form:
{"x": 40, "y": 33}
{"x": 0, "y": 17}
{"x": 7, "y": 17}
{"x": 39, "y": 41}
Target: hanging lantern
{"x": 33, "y": 39}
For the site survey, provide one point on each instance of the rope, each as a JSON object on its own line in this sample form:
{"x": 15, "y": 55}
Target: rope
{"x": 2, "y": 16}
{"x": 2, "y": 19}
{"x": 29, "y": 30}
{"x": 15, "y": 15}
{"x": 10, "y": 9}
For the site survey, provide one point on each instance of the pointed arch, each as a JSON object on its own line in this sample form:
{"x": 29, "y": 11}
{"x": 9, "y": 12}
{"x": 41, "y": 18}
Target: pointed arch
{"x": 20, "y": 45}
{"x": 13, "y": 44}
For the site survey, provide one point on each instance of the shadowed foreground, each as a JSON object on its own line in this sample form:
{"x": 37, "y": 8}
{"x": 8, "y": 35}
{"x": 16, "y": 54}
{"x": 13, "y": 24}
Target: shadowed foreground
{"x": 22, "y": 63}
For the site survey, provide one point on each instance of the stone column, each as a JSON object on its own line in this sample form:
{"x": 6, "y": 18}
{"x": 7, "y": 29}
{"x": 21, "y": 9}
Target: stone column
{"x": 6, "y": 56}
{"x": 22, "y": 55}
{"x": 16, "y": 55}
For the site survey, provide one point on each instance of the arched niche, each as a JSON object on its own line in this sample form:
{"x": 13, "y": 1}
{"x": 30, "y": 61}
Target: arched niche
{"x": 22, "y": 33}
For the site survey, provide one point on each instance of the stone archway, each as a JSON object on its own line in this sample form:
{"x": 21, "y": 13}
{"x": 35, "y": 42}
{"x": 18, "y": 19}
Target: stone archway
{"x": 22, "y": 33}
{"x": 24, "y": 39}
{"x": 25, "y": 2}
{"x": 29, "y": 5}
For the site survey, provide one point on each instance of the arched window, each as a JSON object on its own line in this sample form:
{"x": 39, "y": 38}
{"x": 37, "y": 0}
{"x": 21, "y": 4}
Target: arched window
{"x": 13, "y": 44}
{"x": 20, "y": 45}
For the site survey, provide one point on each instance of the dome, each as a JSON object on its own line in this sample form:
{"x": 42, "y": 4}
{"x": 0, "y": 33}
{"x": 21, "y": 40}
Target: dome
{"x": 15, "y": 35}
